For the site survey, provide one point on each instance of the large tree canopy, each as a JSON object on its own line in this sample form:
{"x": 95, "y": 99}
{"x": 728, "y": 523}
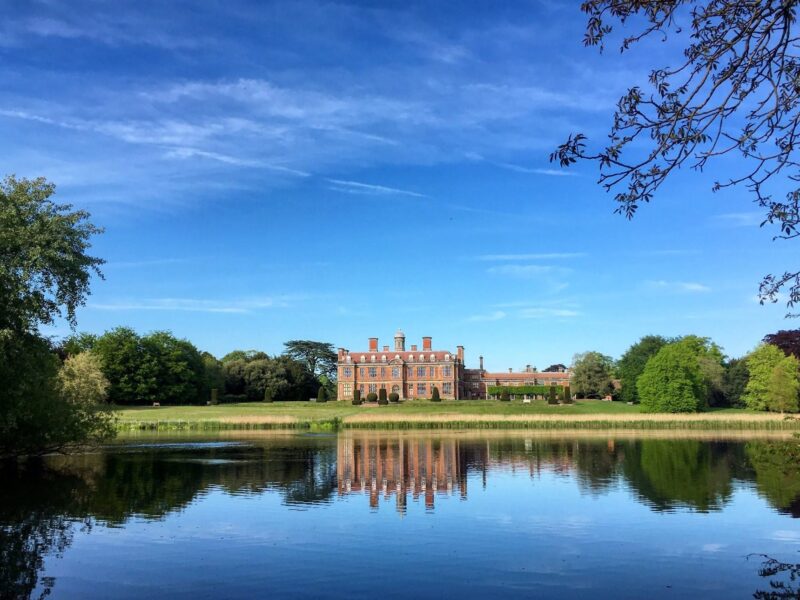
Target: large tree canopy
{"x": 320, "y": 357}
{"x": 44, "y": 265}
{"x": 733, "y": 90}
{"x": 632, "y": 364}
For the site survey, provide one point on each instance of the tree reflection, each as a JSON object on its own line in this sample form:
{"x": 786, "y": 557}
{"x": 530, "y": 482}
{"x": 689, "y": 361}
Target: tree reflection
{"x": 777, "y": 473}
{"x": 783, "y": 578}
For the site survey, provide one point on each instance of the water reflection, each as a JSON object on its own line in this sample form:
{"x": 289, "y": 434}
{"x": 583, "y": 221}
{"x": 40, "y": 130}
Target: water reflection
{"x": 44, "y": 505}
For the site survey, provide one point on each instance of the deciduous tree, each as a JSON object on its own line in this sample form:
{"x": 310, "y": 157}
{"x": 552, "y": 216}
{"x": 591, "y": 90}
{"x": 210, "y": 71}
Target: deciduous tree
{"x": 672, "y": 381}
{"x": 632, "y": 364}
{"x": 591, "y": 374}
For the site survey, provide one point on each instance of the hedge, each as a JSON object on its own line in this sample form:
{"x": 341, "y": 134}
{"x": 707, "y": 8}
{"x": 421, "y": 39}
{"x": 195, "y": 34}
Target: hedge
{"x": 522, "y": 390}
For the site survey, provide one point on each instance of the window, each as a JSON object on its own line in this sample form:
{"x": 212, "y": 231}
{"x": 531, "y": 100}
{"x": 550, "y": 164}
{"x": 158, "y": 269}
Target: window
{"x": 383, "y": 372}
{"x": 347, "y": 372}
{"x": 395, "y": 372}
{"x": 395, "y": 389}
{"x": 431, "y": 372}
{"x": 447, "y": 357}
{"x": 361, "y": 371}
{"x": 361, "y": 388}
{"x": 383, "y": 358}
{"x": 347, "y": 390}
{"x": 410, "y": 371}
{"x": 410, "y": 358}
{"x": 433, "y": 358}
{"x": 420, "y": 371}
{"x": 373, "y": 388}
{"x": 363, "y": 358}
{"x": 410, "y": 389}
{"x": 421, "y": 389}
{"x": 447, "y": 371}
{"x": 373, "y": 372}
{"x": 447, "y": 388}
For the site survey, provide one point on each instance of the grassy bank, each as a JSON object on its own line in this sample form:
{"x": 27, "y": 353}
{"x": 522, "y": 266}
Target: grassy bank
{"x": 331, "y": 416}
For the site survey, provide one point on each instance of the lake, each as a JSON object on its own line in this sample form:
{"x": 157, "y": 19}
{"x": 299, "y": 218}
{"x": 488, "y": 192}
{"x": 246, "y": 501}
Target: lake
{"x": 360, "y": 515}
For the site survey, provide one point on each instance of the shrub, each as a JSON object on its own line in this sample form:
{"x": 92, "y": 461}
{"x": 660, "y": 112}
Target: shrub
{"x": 552, "y": 398}
{"x": 505, "y": 396}
{"x": 357, "y": 397}
{"x": 382, "y": 396}
{"x": 372, "y": 397}
{"x": 435, "y": 395}
{"x": 322, "y": 395}
{"x": 268, "y": 395}
{"x": 567, "y": 395}
{"x": 394, "y": 397}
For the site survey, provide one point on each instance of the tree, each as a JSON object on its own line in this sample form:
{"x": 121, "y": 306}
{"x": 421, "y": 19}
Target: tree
{"x": 244, "y": 355}
{"x": 551, "y": 395}
{"x": 435, "y": 395}
{"x": 357, "y": 397}
{"x": 319, "y": 357}
{"x": 732, "y": 91}
{"x": 130, "y": 372}
{"x": 177, "y": 368}
{"x": 77, "y": 343}
{"x": 735, "y": 380}
{"x": 45, "y": 270}
{"x": 787, "y": 340}
{"x": 382, "y": 399}
{"x": 591, "y": 374}
{"x": 557, "y": 368}
{"x": 761, "y": 364}
{"x": 783, "y": 386}
{"x": 632, "y": 364}
{"x": 672, "y": 381}
{"x": 322, "y": 395}
{"x": 81, "y": 380}
{"x": 214, "y": 374}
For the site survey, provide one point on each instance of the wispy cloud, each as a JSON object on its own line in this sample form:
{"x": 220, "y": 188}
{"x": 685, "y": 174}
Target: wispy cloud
{"x": 678, "y": 286}
{"x": 522, "y": 257}
{"x": 493, "y": 316}
{"x": 522, "y": 271}
{"x": 543, "y": 312}
{"x": 133, "y": 264}
{"x": 196, "y": 305}
{"x": 740, "y": 219}
{"x": 356, "y": 187}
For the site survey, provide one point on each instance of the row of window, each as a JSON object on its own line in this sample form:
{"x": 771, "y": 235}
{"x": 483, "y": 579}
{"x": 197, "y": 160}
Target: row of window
{"x": 372, "y": 372}
{"x": 420, "y": 357}
{"x": 372, "y": 388}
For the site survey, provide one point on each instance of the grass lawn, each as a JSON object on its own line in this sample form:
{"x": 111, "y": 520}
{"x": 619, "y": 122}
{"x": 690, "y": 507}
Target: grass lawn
{"x": 423, "y": 413}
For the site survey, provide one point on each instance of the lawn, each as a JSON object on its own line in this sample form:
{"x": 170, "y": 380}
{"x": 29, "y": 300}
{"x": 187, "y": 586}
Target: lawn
{"x": 423, "y": 414}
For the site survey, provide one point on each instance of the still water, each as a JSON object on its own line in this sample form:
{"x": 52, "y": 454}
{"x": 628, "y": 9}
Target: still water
{"x": 361, "y": 515}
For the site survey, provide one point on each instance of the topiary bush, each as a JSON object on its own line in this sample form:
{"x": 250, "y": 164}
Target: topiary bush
{"x": 551, "y": 396}
{"x": 382, "y": 397}
{"x": 372, "y": 397}
{"x": 267, "y": 395}
{"x": 505, "y": 396}
{"x": 357, "y": 398}
{"x": 567, "y": 395}
{"x": 322, "y": 395}
{"x": 435, "y": 395}
{"x": 394, "y": 397}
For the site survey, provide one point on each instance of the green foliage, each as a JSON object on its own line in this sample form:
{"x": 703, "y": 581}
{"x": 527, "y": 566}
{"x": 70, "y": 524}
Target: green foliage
{"x": 81, "y": 380}
{"x": 784, "y": 385}
{"x": 357, "y": 397}
{"x": 319, "y": 357}
{"x": 77, "y": 343}
{"x": 734, "y": 381}
{"x": 267, "y": 395}
{"x": 372, "y": 397}
{"x": 45, "y": 270}
{"x": 672, "y": 380}
{"x": 567, "y": 395}
{"x": 383, "y": 400}
{"x": 214, "y": 375}
{"x": 35, "y": 416}
{"x": 155, "y": 368}
{"x": 520, "y": 390}
{"x": 552, "y": 398}
{"x": 632, "y": 364}
{"x": 322, "y": 394}
{"x": 591, "y": 374}
{"x": 394, "y": 397}
{"x": 787, "y": 340}
{"x": 761, "y": 364}
{"x": 244, "y": 355}
{"x": 435, "y": 395}
{"x": 505, "y": 396}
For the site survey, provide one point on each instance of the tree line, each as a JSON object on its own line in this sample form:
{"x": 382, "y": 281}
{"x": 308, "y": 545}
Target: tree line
{"x": 691, "y": 373}
{"x": 133, "y": 369}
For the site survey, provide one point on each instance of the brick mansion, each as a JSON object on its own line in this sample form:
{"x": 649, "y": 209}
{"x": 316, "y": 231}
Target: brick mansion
{"x": 413, "y": 373}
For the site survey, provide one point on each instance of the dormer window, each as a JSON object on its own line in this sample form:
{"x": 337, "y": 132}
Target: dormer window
{"x": 363, "y": 358}
{"x": 410, "y": 357}
{"x": 383, "y": 358}
{"x": 447, "y": 357}
{"x": 433, "y": 357}
{"x": 372, "y": 358}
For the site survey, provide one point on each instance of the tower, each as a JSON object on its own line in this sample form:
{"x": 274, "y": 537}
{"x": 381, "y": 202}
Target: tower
{"x": 400, "y": 341}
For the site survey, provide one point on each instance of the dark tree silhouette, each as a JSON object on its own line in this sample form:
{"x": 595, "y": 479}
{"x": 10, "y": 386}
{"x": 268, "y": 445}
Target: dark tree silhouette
{"x": 787, "y": 340}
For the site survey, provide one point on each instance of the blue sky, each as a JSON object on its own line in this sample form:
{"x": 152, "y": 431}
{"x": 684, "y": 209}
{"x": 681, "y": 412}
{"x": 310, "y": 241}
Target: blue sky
{"x": 333, "y": 171}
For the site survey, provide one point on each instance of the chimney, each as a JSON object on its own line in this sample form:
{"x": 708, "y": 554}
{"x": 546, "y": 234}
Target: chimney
{"x": 386, "y": 348}
{"x": 460, "y": 353}
{"x": 510, "y": 370}
{"x": 373, "y": 344}
{"x": 399, "y": 341}
{"x": 426, "y": 342}
{"x": 527, "y": 368}
{"x": 413, "y": 347}
{"x": 481, "y": 362}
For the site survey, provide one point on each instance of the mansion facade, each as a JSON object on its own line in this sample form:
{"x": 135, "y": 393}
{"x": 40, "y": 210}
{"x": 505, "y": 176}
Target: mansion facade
{"x": 414, "y": 373}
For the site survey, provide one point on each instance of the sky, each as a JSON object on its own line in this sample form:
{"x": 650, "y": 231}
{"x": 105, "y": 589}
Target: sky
{"x": 267, "y": 171}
